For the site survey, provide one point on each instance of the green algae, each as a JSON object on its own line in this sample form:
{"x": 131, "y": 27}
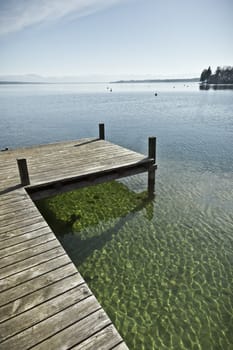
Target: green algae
{"x": 77, "y": 211}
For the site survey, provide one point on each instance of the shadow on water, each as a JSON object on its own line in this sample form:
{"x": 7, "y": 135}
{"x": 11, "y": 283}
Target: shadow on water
{"x": 81, "y": 232}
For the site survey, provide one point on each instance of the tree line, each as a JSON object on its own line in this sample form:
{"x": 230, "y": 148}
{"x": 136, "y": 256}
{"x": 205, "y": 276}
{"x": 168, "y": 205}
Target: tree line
{"x": 222, "y": 75}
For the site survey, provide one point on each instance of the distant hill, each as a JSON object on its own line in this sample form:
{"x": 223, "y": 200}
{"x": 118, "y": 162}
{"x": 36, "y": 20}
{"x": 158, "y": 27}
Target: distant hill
{"x": 187, "y": 80}
{"x": 22, "y": 82}
{"x": 19, "y": 79}
{"x": 37, "y": 79}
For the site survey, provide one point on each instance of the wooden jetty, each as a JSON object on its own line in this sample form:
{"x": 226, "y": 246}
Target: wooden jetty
{"x": 44, "y": 301}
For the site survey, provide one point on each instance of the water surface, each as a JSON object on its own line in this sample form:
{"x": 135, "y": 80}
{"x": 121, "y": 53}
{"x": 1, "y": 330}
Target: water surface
{"x": 162, "y": 269}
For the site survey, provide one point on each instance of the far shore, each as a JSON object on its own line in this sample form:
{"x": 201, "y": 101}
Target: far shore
{"x": 185, "y": 80}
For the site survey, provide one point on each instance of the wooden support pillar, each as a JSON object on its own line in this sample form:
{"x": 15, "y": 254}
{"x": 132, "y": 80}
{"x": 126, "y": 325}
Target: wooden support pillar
{"x": 152, "y": 148}
{"x": 152, "y": 168}
{"x": 23, "y": 171}
{"x": 101, "y": 131}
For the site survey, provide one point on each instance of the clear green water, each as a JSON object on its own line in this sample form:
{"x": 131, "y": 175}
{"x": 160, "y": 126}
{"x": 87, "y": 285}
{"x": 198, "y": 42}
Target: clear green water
{"x": 161, "y": 269}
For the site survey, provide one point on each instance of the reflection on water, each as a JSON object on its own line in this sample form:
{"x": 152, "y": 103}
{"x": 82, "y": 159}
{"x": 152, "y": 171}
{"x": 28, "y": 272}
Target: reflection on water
{"x": 205, "y": 86}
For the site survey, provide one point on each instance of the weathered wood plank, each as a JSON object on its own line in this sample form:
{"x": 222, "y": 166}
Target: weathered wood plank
{"x": 106, "y": 339}
{"x": 44, "y": 256}
{"x": 38, "y": 297}
{"x": 74, "y": 154}
{"x": 49, "y": 308}
{"x": 32, "y": 272}
{"x": 14, "y": 207}
{"x": 35, "y": 154}
{"x": 16, "y": 213}
{"x": 13, "y": 196}
{"x": 16, "y": 226}
{"x": 24, "y": 255}
{"x": 9, "y": 223}
{"x": 74, "y": 172}
{"x": 15, "y": 293}
{"x": 105, "y": 149}
{"x": 45, "y": 149}
{"x": 23, "y": 227}
{"x": 54, "y": 324}
{"x": 86, "y": 160}
{"x": 24, "y": 237}
{"x": 69, "y": 337}
{"x": 26, "y": 245}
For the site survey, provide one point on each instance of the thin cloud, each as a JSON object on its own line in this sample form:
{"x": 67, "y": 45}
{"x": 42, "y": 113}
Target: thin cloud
{"x": 18, "y": 14}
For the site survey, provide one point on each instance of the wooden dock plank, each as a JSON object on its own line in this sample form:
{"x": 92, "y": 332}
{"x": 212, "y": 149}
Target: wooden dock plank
{"x": 14, "y": 207}
{"x": 26, "y": 227}
{"x": 38, "y": 297}
{"x": 12, "y": 250}
{"x": 17, "y": 292}
{"x": 31, "y": 273}
{"x": 87, "y": 326}
{"x": 106, "y": 339}
{"x": 51, "y": 330}
{"x": 26, "y": 254}
{"x": 20, "y": 226}
{"x": 43, "y": 311}
{"x": 44, "y": 256}
{"x": 35, "y": 155}
{"x": 17, "y": 214}
{"x": 51, "y": 175}
{"x": 13, "y": 197}
{"x": 24, "y": 237}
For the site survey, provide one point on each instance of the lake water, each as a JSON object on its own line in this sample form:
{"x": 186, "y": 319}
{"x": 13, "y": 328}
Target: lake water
{"x": 162, "y": 272}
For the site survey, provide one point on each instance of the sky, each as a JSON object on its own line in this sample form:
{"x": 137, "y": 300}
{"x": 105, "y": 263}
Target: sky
{"x": 99, "y": 39}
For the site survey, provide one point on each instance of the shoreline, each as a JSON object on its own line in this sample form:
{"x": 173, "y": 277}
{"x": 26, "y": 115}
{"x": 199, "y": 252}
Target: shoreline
{"x": 185, "y": 80}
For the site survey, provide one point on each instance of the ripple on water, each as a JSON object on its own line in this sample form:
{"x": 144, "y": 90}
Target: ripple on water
{"x": 163, "y": 269}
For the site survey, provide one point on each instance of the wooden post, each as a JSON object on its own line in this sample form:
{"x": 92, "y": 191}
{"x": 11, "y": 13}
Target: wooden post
{"x": 23, "y": 171}
{"x": 151, "y": 170}
{"x": 152, "y": 148}
{"x": 101, "y": 131}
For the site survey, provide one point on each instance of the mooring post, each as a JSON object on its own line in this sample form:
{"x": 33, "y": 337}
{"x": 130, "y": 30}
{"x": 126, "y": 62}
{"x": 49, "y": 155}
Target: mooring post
{"x": 152, "y": 167}
{"x": 23, "y": 171}
{"x": 101, "y": 131}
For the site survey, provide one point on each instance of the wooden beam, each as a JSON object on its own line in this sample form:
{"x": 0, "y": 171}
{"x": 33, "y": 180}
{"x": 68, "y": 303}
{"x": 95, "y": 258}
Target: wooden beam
{"x": 23, "y": 171}
{"x": 101, "y": 131}
{"x": 41, "y": 192}
{"x": 152, "y": 168}
{"x": 152, "y": 148}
